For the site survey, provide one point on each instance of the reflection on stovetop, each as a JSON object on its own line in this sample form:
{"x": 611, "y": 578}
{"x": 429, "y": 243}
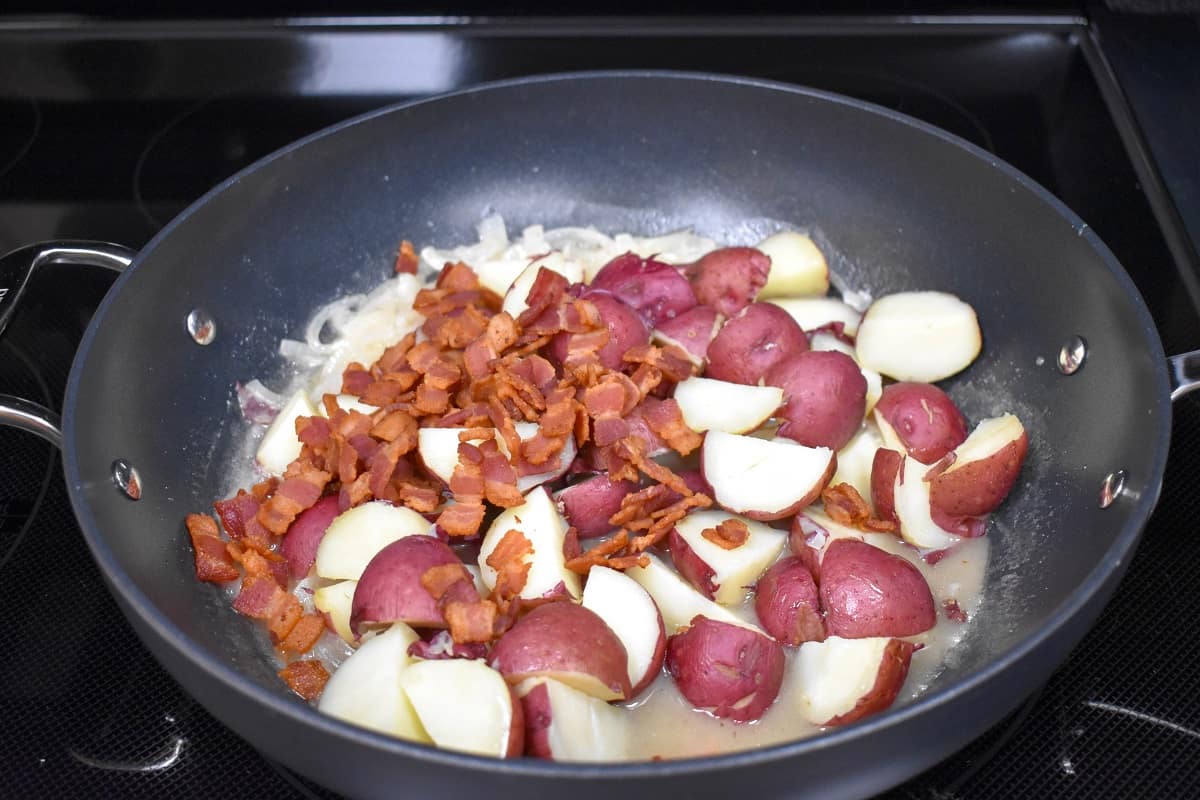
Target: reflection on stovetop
{"x": 110, "y": 136}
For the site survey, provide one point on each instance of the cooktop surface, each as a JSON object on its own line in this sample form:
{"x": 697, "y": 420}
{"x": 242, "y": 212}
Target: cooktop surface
{"x": 110, "y": 130}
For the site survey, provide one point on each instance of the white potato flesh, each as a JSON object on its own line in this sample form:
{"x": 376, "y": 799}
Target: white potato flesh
{"x": 822, "y": 340}
{"x": 918, "y": 336}
{"x": 737, "y": 569}
{"x": 708, "y": 404}
{"x": 365, "y": 689}
{"x": 516, "y": 300}
{"x": 463, "y": 704}
{"x": 629, "y": 610}
{"x": 356, "y": 535}
{"x": 797, "y": 266}
{"x": 582, "y": 727}
{"x": 911, "y": 500}
{"x": 677, "y": 599}
{"x": 499, "y": 274}
{"x": 539, "y": 520}
{"x": 336, "y": 600}
{"x": 989, "y": 437}
{"x": 834, "y": 674}
{"x": 748, "y": 474}
{"x": 279, "y": 446}
{"x": 811, "y": 313}
{"x": 855, "y": 459}
{"x": 557, "y": 466}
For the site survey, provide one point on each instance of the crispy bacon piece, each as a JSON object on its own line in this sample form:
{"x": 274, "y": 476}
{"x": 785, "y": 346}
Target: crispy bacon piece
{"x": 606, "y": 553}
{"x": 302, "y": 486}
{"x": 262, "y": 598}
{"x": 499, "y": 477}
{"x": 846, "y": 506}
{"x": 406, "y": 259}
{"x": 471, "y": 623}
{"x": 356, "y": 379}
{"x": 670, "y": 360}
{"x": 397, "y": 426}
{"x": 547, "y": 292}
{"x": 666, "y": 420}
{"x": 554, "y": 428}
{"x": 314, "y": 431}
{"x": 304, "y": 634}
{"x": 238, "y": 514}
{"x": 257, "y": 564}
{"x": 509, "y": 559}
{"x": 306, "y": 678}
{"x": 465, "y": 515}
{"x": 418, "y": 495}
{"x": 501, "y": 334}
{"x": 213, "y": 563}
{"x": 447, "y": 583}
{"x": 730, "y": 534}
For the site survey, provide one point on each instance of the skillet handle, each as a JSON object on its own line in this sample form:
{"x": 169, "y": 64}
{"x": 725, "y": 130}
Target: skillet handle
{"x": 1185, "y": 373}
{"x": 16, "y": 269}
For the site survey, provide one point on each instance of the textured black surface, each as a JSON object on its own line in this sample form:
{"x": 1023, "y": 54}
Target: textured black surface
{"x": 88, "y": 712}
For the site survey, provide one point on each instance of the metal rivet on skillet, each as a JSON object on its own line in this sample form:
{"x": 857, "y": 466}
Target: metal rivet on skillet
{"x": 1112, "y": 488}
{"x": 126, "y": 479}
{"x": 201, "y": 326}
{"x": 1070, "y": 358}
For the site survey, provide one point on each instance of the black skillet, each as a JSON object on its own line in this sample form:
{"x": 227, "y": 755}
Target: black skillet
{"x": 900, "y": 204}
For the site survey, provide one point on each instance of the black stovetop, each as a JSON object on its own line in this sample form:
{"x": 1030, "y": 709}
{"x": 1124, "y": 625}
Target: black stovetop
{"x": 109, "y": 130}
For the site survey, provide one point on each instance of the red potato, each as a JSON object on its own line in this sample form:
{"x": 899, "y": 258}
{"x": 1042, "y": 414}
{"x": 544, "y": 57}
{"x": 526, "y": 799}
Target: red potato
{"x": 825, "y": 397}
{"x": 983, "y": 470}
{"x": 626, "y": 329}
{"x": 299, "y": 545}
{"x": 390, "y": 589}
{"x": 633, "y": 616}
{"x": 568, "y": 643}
{"x": 655, "y": 290}
{"x": 883, "y": 483}
{"x": 924, "y": 419}
{"x": 844, "y": 680}
{"x": 750, "y": 344}
{"x": 692, "y": 331}
{"x": 465, "y": 705}
{"x": 918, "y": 336}
{"x": 564, "y": 724}
{"x": 727, "y": 670}
{"x": 966, "y": 527}
{"x": 764, "y": 479}
{"x": 728, "y": 279}
{"x": 788, "y": 604}
{"x": 866, "y": 591}
{"x": 720, "y": 573}
{"x": 587, "y": 505}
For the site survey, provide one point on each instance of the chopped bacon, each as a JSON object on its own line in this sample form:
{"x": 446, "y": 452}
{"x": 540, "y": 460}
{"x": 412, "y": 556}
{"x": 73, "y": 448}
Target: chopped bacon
{"x": 213, "y": 562}
{"x": 448, "y": 583}
{"x": 397, "y": 426}
{"x": 431, "y": 400}
{"x": 666, "y": 420}
{"x": 302, "y": 486}
{"x": 314, "y": 431}
{"x": 501, "y": 334}
{"x": 419, "y": 496}
{"x": 262, "y": 598}
{"x": 304, "y": 634}
{"x": 672, "y": 361}
{"x": 238, "y": 517}
{"x": 600, "y": 553}
{"x": 356, "y": 379}
{"x": 846, "y": 506}
{"x": 306, "y": 678}
{"x": 499, "y": 477}
{"x": 729, "y": 535}
{"x": 953, "y": 611}
{"x": 465, "y": 516}
{"x": 473, "y": 622}
{"x": 510, "y": 559}
{"x": 547, "y": 291}
{"x": 457, "y": 277}
{"x": 406, "y": 259}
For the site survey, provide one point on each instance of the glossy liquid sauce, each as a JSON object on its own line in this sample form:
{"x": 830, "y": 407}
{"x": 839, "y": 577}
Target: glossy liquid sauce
{"x": 664, "y": 724}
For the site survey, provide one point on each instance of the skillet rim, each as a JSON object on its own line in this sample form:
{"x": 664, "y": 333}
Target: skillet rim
{"x": 303, "y": 714}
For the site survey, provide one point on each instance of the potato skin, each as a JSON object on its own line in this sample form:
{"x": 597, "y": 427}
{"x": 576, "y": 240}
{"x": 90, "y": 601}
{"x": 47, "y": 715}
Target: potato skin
{"x": 749, "y": 345}
{"x": 717, "y": 666}
{"x": 866, "y": 591}
{"x": 390, "y": 587}
{"x": 693, "y": 330}
{"x": 538, "y": 716}
{"x": 927, "y": 421}
{"x": 825, "y": 397}
{"x": 893, "y": 669}
{"x": 978, "y": 488}
{"x": 516, "y": 728}
{"x": 690, "y": 566}
{"x": 654, "y": 289}
{"x": 728, "y": 279}
{"x": 587, "y": 505}
{"x": 788, "y": 603}
{"x": 562, "y": 637}
{"x": 626, "y": 329}
{"x": 303, "y": 537}
{"x": 883, "y": 483}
